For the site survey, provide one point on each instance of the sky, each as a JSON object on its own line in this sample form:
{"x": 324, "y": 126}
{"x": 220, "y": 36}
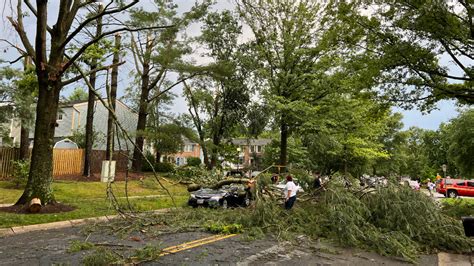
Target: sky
{"x": 445, "y": 110}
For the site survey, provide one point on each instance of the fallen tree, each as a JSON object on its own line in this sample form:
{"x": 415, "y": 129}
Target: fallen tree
{"x": 393, "y": 221}
{"x": 219, "y": 184}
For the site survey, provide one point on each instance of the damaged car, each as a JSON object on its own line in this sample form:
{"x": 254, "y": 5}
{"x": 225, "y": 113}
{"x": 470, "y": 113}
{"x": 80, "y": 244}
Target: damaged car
{"x": 225, "y": 197}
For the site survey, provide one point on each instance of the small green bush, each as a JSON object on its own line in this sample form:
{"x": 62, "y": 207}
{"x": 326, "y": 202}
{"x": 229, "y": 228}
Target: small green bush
{"x": 159, "y": 167}
{"x": 146, "y": 167}
{"x": 458, "y": 208}
{"x": 164, "y": 167}
{"x": 193, "y": 161}
{"x": 21, "y": 169}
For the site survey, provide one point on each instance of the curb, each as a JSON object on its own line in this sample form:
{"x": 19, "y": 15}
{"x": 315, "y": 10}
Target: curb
{"x": 448, "y": 259}
{"x": 4, "y": 232}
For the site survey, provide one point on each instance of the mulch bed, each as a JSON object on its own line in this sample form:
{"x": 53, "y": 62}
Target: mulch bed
{"x": 49, "y": 208}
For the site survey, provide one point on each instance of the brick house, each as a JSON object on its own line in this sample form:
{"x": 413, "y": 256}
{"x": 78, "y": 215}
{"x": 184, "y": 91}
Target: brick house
{"x": 249, "y": 150}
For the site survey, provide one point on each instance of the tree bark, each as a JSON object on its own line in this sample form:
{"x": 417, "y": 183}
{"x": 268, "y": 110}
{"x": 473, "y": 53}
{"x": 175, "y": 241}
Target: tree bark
{"x": 215, "y": 143}
{"x": 158, "y": 156}
{"x": 143, "y": 111}
{"x": 41, "y": 169}
{"x": 90, "y": 108}
{"x": 24, "y": 141}
{"x": 112, "y": 97}
{"x": 283, "y": 141}
{"x": 49, "y": 85}
{"x": 198, "y": 124}
{"x": 24, "y": 125}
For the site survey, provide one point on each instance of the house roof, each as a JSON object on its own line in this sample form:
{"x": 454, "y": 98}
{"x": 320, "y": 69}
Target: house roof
{"x": 187, "y": 141}
{"x": 244, "y": 141}
{"x": 73, "y": 103}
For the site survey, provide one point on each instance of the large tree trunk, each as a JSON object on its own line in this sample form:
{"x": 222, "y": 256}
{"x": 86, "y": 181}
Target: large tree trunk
{"x": 216, "y": 142}
{"x": 24, "y": 126}
{"x": 205, "y": 156}
{"x": 41, "y": 169}
{"x": 283, "y": 141}
{"x": 142, "y": 112}
{"x": 158, "y": 156}
{"x": 90, "y": 108}
{"x": 112, "y": 96}
{"x": 89, "y": 126}
{"x": 24, "y": 141}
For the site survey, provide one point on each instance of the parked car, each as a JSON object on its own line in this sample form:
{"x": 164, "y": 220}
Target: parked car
{"x": 444, "y": 183}
{"x": 413, "y": 184}
{"x": 227, "y": 196}
{"x": 455, "y": 187}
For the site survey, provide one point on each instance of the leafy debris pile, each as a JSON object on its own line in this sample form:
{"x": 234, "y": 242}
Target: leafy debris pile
{"x": 393, "y": 221}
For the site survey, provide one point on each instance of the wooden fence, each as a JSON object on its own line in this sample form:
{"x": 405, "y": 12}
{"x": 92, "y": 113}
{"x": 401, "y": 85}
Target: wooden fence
{"x": 7, "y": 156}
{"x": 65, "y": 162}
{"x": 68, "y": 162}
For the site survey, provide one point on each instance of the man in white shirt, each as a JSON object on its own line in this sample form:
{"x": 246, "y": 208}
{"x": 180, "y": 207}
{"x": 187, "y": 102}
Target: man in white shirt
{"x": 290, "y": 192}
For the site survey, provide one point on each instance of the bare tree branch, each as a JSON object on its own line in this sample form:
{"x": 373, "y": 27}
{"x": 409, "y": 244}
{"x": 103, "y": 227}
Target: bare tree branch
{"x": 94, "y": 18}
{"x": 79, "y": 77}
{"x": 170, "y": 87}
{"x": 97, "y": 39}
{"x": 18, "y": 25}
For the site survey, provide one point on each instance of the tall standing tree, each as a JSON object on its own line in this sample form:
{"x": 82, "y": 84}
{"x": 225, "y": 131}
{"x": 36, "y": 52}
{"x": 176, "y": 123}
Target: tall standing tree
{"x": 52, "y": 60}
{"x": 288, "y": 44}
{"x": 111, "y": 99}
{"x": 19, "y": 91}
{"x": 218, "y": 101}
{"x": 93, "y": 64}
{"x": 157, "y": 53}
{"x": 461, "y": 145}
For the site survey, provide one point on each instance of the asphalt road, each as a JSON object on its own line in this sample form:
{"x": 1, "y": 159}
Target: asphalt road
{"x": 50, "y": 247}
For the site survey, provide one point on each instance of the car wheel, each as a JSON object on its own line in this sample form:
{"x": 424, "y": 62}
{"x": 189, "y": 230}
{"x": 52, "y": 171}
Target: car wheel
{"x": 224, "y": 204}
{"x": 247, "y": 201}
{"x": 452, "y": 194}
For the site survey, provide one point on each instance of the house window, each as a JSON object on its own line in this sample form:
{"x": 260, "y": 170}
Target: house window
{"x": 259, "y": 149}
{"x": 60, "y": 117}
{"x": 252, "y": 148}
{"x": 188, "y": 148}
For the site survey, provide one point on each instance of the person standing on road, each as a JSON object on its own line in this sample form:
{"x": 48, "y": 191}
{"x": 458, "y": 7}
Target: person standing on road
{"x": 290, "y": 193}
{"x": 430, "y": 186}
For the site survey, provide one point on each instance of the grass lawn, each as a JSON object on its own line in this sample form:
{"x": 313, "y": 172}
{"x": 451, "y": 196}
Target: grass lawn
{"x": 459, "y": 207}
{"x": 90, "y": 199}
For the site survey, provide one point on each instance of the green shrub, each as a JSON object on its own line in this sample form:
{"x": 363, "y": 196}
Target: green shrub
{"x": 458, "y": 208}
{"x": 146, "y": 167}
{"x": 193, "y": 161}
{"x": 21, "y": 169}
{"x": 159, "y": 167}
{"x": 164, "y": 167}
